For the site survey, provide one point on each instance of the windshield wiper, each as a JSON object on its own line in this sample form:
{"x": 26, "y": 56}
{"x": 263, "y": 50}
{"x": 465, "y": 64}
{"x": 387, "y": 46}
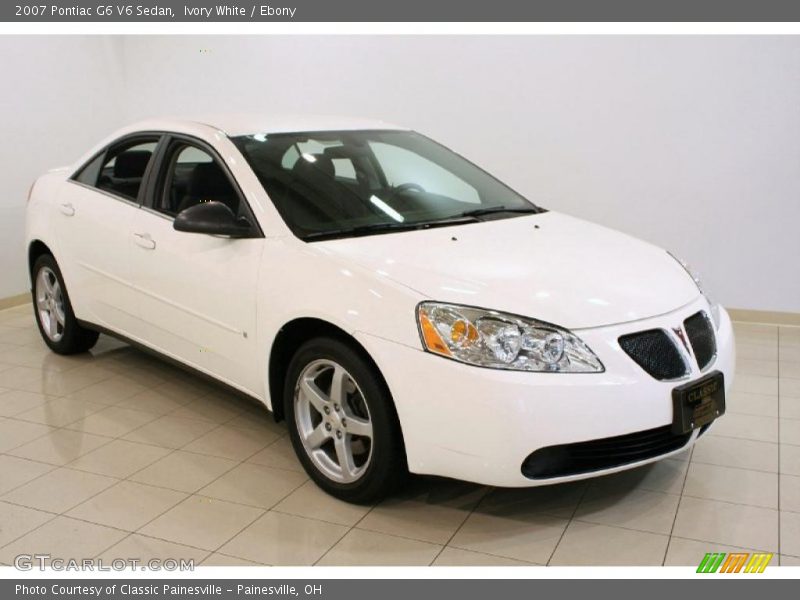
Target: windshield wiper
{"x": 490, "y": 210}
{"x": 359, "y": 230}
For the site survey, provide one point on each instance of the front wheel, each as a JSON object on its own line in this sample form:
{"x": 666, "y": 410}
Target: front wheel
{"x": 342, "y": 422}
{"x": 58, "y": 326}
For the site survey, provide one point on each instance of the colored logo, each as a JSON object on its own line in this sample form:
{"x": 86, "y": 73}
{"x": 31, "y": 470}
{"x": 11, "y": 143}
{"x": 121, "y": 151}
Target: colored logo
{"x": 679, "y": 332}
{"x": 735, "y": 562}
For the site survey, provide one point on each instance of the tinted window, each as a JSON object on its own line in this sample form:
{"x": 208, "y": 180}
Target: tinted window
{"x": 123, "y": 168}
{"x": 90, "y": 173}
{"x": 193, "y": 176}
{"x": 338, "y": 182}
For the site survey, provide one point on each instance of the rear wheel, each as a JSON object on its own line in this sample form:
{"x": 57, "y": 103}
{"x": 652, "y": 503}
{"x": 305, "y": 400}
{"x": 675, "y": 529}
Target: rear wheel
{"x": 58, "y": 326}
{"x": 342, "y": 422}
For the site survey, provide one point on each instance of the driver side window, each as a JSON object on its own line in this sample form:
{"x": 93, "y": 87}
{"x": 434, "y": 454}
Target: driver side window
{"x": 193, "y": 176}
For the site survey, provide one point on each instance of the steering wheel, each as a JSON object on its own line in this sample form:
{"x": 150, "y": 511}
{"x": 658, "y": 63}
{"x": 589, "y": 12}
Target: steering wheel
{"x": 408, "y": 187}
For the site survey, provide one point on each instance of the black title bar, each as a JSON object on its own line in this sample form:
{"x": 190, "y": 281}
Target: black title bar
{"x": 176, "y": 11}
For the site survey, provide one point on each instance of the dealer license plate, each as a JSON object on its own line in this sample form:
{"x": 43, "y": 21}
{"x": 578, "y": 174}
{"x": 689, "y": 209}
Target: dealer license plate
{"x": 698, "y": 403}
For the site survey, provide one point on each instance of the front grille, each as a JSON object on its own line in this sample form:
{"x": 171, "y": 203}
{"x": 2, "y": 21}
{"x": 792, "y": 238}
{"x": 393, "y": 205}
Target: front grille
{"x": 701, "y": 336}
{"x": 596, "y": 455}
{"x": 655, "y": 352}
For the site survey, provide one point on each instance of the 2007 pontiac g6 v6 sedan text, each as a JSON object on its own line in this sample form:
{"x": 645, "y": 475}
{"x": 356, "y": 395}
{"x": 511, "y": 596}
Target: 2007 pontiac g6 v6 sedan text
{"x": 399, "y": 307}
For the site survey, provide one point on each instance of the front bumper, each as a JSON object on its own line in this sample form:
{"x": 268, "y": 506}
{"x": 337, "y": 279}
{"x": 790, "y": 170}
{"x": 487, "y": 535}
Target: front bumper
{"x": 480, "y": 425}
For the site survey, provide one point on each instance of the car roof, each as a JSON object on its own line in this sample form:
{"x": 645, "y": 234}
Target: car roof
{"x": 246, "y": 124}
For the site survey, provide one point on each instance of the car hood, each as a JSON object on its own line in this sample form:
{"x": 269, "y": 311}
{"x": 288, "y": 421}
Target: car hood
{"x": 548, "y": 266}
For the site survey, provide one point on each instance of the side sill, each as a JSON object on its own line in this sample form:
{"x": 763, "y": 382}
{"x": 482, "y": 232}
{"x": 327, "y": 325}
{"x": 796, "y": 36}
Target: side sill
{"x": 176, "y": 363}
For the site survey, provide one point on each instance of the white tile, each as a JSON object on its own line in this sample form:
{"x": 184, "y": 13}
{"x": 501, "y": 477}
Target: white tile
{"x": 789, "y": 407}
{"x": 746, "y": 427}
{"x": 63, "y": 538}
{"x": 60, "y": 447}
{"x": 58, "y": 383}
{"x": 113, "y": 421}
{"x": 734, "y": 452}
{"x": 254, "y": 485}
{"x": 636, "y": 509}
{"x": 145, "y": 549}
{"x": 279, "y": 539}
{"x": 14, "y": 402}
{"x": 16, "y": 471}
{"x": 170, "y": 432}
{"x": 215, "y": 559}
{"x": 127, "y": 505}
{"x": 530, "y": 536}
{"x": 110, "y": 391}
{"x": 725, "y": 523}
{"x": 790, "y": 431}
{"x": 184, "y": 471}
{"x": 745, "y": 350}
{"x": 455, "y": 557}
{"x": 16, "y": 433}
{"x": 752, "y": 366}
{"x": 60, "y": 411}
{"x": 790, "y": 493}
{"x": 752, "y": 404}
{"x": 235, "y": 443}
{"x": 593, "y": 544}
{"x": 789, "y": 387}
{"x": 740, "y": 486}
{"x": 431, "y": 511}
{"x": 59, "y": 490}
{"x": 554, "y": 500}
{"x": 201, "y": 522}
{"x": 16, "y": 521}
{"x": 790, "y": 459}
{"x": 279, "y": 454}
{"x": 310, "y": 501}
{"x": 119, "y": 458}
{"x": 789, "y": 369}
{"x": 790, "y": 533}
{"x": 360, "y": 547}
{"x": 755, "y": 384}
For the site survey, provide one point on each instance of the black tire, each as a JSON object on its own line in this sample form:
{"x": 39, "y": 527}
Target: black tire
{"x": 387, "y": 467}
{"x": 74, "y": 338}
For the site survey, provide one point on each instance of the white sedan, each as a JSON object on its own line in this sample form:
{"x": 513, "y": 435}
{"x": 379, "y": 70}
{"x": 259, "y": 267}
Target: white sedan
{"x": 399, "y": 307}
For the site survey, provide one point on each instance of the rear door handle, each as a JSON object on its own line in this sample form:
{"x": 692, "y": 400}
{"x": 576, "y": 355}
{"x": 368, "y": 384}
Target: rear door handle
{"x": 67, "y": 209}
{"x": 145, "y": 241}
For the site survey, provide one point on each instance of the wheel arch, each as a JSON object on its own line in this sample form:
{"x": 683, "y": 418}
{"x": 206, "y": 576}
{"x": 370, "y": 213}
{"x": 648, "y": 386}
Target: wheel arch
{"x": 288, "y": 340}
{"x": 36, "y": 249}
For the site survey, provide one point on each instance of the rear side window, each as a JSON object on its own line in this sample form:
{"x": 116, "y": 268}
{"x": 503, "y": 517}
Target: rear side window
{"x": 120, "y": 169}
{"x": 89, "y": 174}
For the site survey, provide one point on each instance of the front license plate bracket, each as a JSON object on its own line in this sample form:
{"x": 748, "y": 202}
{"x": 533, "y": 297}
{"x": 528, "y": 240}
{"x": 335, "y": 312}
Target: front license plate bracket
{"x": 698, "y": 403}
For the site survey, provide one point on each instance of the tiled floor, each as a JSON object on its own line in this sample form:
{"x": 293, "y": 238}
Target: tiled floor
{"x": 118, "y": 455}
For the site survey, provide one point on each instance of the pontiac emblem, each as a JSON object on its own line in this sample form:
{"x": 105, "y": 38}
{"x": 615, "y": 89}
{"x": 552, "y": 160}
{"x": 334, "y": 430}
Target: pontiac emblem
{"x": 679, "y": 332}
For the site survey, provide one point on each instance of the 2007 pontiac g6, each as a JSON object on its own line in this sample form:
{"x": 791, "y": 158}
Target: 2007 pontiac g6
{"x": 399, "y": 307}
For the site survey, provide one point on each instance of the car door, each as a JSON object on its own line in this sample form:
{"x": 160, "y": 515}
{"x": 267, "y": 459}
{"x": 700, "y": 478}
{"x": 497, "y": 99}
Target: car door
{"x": 96, "y": 212}
{"x": 197, "y": 292}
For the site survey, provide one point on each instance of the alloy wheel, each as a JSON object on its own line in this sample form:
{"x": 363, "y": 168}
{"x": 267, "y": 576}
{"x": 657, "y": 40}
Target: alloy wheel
{"x": 50, "y": 304}
{"x": 333, "y": 421}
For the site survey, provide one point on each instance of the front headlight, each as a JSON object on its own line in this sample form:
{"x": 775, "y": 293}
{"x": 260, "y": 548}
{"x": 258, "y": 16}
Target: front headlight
{"x": 488, "y": 338}
{"x": 715, "y": 307}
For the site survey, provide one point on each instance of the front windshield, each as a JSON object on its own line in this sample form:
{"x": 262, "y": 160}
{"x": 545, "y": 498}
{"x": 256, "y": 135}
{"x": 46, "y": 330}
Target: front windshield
{"x": 342, "y": 183}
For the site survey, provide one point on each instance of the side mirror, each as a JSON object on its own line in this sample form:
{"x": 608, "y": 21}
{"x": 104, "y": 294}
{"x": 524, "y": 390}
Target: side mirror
{"x": 212, "y": 218}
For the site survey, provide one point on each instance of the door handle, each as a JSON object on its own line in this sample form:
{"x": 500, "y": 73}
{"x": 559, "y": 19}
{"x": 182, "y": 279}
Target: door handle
{"x": 67, "y": 209}
{"x": 145, "y": 241}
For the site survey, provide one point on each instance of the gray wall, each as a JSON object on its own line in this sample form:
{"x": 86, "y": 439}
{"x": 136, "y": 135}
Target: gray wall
{"x": 692, "y": 143}
{"x": 59, "y": 96}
